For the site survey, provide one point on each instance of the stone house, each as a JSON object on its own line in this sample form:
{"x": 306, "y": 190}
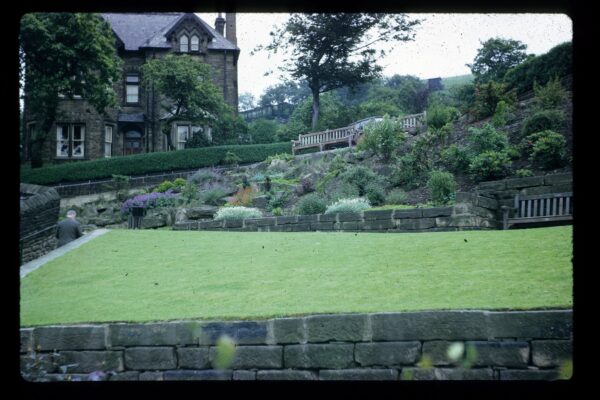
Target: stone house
{"x": 81, "y": 133}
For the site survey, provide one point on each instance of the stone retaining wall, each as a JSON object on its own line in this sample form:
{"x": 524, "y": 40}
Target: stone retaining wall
{"x": 37, "y": 224}
{"x": 470, "y": 212}
{"x": 385, "y": 346}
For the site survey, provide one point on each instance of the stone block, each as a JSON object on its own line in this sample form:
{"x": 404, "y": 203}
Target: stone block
{"x": 151, "y": 376}
{"x": 483, "y": 212}
{"x": 267, "y": 221}
{"x": 553, "y": 324}
{"x": 403, "y": 214}
{"x": 349, "y": 226}
{"x": 436, "y": 351}
{"x": 184, "y": 226}
{"x": 464, "y": 197}
{"x": 387, "y": 353}
{"x": 492, "y": 185}
{"x": 358, "y": 374}
{"x": 347, "y": 217}
{"x": 376, "y": 225}
{"x": 321, "y": 226}
{"x": 301, "y": 227}
{"x": 500, "y": 354}
{"x": 437, "y": 212}
{"x": 528, "y": 375}
{"x": 281, "y": 228}
{"x": 193, "y": 358}
{"x": 233, "y": 223}
{"x": 562, "y": 188}
{"x": 337, "y": 327}
{"x": 558, "y": 179}
{"x": 247, "y": 357}
{"x": 551, "y": 353}
{"x": 90, "y": 361}
{"x": 308, "y": 218}
{"x": 38, "y": 363}
{"x": 242, "y": 332}
{"x": 446, "y": 374}
{"x": 191, "y": 375}
{"x": 443, "y": 222}
{"x": 125, "y": 376}
{"x": 205, "y": 211}
{"x": 486, "y": 202}
{"x": 378, "y": 215}
{"x": 519, "y": 183}
{"x": 241, "y": 375}
{"x": 26, "y": 340}
{"x": 318, "y": 355}
{"x": 287, "y": 220}
{"x": 429, "y": 325}
{"x": 285, "y": 375}
{"x": 287, "y": 330}
{"x": 417, "y": 224}
{"x": 465, "y": 221}
{"x": 328, "y": 217}
{"x": 150, "y": 358}
{"x": 210, "y": 224}
{"x": 157, "y": 334}
{"x": 70, "y": 338}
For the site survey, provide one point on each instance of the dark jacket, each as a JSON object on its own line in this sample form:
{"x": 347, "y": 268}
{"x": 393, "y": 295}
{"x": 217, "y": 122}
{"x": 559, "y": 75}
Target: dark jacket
{"x": 68, "y": 230}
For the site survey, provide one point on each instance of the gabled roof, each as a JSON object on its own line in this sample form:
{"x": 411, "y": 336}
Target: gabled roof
{"x": 150, "y": 30}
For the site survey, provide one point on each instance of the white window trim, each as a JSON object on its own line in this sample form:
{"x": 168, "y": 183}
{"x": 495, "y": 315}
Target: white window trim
{"x": 132, "y": 81}
{"x": 69, "y": 139}
{"x": 108, "y": 140}
{"x": 180, "y": 141}
{"x": 182, "y": 43}
{"x": 194, "y": 43}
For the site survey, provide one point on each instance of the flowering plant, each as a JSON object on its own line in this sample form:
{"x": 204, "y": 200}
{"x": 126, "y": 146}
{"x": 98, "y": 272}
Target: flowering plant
{"x": 150, "y": 200}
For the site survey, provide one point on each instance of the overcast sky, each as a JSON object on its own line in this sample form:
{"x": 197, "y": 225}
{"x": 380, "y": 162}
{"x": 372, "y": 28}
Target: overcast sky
{"x": 443, "y": 43}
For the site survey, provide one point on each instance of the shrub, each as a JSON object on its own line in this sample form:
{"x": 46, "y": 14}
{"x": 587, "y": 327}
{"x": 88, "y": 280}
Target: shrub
{"x": 360, "y": 176}
{"x": 277, "y": 212}
{"x": 439, "y": 115}
{"x": 455, "y": 159}
{"x": 341, "y": 190}
{"x": 547, "y": 149}
{"x": 396, "y": 196}
{"x": 148, "y": 201}
{"x": 213, "y": 197}
{"x": 311, "y": 204}
{"x": 164, "y": 186}
{"x": 523, "y": 173}
{"x": 486, "y": 139}
{"x": 543, "y": 120}
{"x": 237, "y": 213}
{"x": 406, "y": 172}
{"x": 308, "y": 186}
{"x": 488, "y": 95}
{"x": 140, "y": 164}
{"x": 442, "y": 187}
{"x": 490, "y": 165}
{"x": 203, "y": 176}
{"x": 231, "y": 158}
{"x": 549, "y": 96}
{"x": 190, "y": 192}
{"x": 179, "y": 183}
{"x": 277, "y": 201}
{"x": 338, "y": 165}
{"x": 502, "y": 114}
{"x": 383, "y": 137}
{"x": 355, "y": 205}
{"x": 121, "y": 184}
{"x": 243, "y": 197}
{"x": 375, "y": 194}
{"x": 283, "y": 156}
{"x": 263, "y": 131}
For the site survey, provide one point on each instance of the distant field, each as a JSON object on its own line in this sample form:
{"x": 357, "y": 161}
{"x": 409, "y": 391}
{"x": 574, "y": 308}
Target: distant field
{"x": 456, "y": 80}
{"x": 128, "y": 275}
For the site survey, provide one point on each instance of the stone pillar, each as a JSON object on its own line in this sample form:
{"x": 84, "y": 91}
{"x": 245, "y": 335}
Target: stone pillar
{"x": 230, "y": 30}
{"x": 220, "y": 25}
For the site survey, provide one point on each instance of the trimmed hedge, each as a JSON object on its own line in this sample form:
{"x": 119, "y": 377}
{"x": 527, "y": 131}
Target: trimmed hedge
{"x": 140, "y": 164}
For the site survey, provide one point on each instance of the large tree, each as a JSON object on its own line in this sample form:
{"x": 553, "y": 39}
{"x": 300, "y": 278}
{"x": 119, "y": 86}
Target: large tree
{"x": 330, "y": 51}
{"x": 187, "y": 91}
{"x": 64, "y": 54}
{"x": 495, "y": 57}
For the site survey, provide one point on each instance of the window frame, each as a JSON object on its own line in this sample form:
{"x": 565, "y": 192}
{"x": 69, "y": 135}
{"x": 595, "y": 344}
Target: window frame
{"x": 181, "y": 43}
{"x": 71, "y": 142}
{"x": 181, "y": 143}
{"x": 197, "y": 44}
{"x": 108, "y": 143}
{"x": 132, "y": 84}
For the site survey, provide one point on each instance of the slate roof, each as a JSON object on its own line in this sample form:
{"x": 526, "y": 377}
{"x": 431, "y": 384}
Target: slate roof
{"x": 148, "y": 30}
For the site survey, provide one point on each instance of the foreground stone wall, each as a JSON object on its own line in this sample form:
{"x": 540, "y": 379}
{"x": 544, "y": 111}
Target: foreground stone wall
{"x": 38, "y": 217}
{"x": 470, "y": 212}
{"x": 384, "y": 346}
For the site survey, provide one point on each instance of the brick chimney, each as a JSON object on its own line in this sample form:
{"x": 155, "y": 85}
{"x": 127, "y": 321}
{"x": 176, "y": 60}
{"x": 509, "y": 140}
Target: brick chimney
{"x": 230, "y": 31}
{"x": 220, "y": 25}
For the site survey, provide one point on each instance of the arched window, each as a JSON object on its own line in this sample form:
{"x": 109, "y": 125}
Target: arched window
{"x": 183, "y": 44}
{"x": 195, "y": 42}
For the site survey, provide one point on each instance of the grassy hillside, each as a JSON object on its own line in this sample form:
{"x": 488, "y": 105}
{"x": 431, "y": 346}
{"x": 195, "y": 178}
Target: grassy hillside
{"x": 165, "y": 275}
{"x": 457, "y": 80}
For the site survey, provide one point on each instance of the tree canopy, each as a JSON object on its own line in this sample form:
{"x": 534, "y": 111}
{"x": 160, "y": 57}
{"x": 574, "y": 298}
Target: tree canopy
{"x": 65, "y": 54}
{"x": 495, "y": 57}
{"x": 330, "y": 51}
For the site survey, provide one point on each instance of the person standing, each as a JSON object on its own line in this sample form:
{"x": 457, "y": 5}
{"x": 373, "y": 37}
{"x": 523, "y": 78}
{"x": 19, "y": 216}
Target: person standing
{"x": 68, "y": 229}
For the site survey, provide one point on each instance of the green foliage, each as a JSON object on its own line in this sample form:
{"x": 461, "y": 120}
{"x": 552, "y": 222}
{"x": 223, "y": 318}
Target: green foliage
{"x": 237, "y": 213}
{"x": 550, "y": 96}
{"x": 311, "y": 204}
{"x": 464, "y": 95}
{"x": 338, "y": 165}
{"x": 287, "y": 157}
{"x": 190, "y": 192}
{"x": 495, "y": 57}
{"x": 488, "y": 95}
{"x": 213, "y": 196}
{"x": 396, "y": 196}
{"x": 439, "y": 115}
{"x": 502, "y": 114}
{"x": 442, "y": 187}
{"x": 543, "y": 120}
{"x": 263, "y": 131}
{"x": 541, "y": 69}
{"x": 375, "y": 193}
{"x": 547, "y": 149}
{"x": 231, "y": 158}
{"x": 490, "y": 165}
{"x": 121, "y": 184}
{"x": 278, "y": 201}
{"x": 486, "y": 138}
{"x": 383, "y": 137}
{"x": 277, "y": 211}
{"x": 332, "y": 115}
{"x": 164, "y": 186}
{"x": 355, "y": 205}
{"x": 201, "y": 177}
{"x": 360, "y": 176}
{"x": 455, "y": 159}
{"x": 342, "y": 190}
{"x": 407, "y": 172}
{"x": 523, "y": 173}
{"x": 140, "y": 164}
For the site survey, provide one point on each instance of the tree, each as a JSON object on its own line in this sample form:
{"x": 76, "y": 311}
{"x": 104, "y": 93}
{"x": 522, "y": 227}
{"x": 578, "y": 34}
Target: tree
{"x": 330, "y": 51}
{"x": 64, "y": 54}
{"x": 495, "y": 58}
{"x": 288, "y": 92}
{"x": 263, "y": 131}
{"x": 187, "y": 92}
{"x": 246, "y": 101}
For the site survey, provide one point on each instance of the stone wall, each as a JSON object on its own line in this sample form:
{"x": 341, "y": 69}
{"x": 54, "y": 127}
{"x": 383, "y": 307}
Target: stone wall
{"x": 470, "y": 212}
{"x": 39, "y": 208}
{"x": 511, "y": 345}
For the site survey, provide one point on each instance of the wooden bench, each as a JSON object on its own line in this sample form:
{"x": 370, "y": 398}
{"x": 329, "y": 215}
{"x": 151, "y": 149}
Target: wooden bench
{"x": 539, "y": 208}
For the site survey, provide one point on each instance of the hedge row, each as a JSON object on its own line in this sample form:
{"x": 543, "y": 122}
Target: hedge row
{"x": 141, "y": 164}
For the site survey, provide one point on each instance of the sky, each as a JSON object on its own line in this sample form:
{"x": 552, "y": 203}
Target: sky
{"x": 443, "y": 45}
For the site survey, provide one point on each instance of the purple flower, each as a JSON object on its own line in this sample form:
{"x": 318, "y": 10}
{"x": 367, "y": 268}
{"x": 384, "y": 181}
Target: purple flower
{"x": 146, "y": 200}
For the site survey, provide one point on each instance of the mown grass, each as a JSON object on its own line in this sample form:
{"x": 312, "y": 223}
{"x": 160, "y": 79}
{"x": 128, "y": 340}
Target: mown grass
{"x": 146, "y": 275}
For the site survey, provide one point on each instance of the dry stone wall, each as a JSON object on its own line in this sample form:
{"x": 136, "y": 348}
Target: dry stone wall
{"x": 511, "y": 345}
{"x": 39, "y": 208}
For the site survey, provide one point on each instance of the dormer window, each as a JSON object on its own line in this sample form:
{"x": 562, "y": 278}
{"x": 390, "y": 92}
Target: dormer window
{"x": 195, "y": 43}
{"x": 183, "y": 44}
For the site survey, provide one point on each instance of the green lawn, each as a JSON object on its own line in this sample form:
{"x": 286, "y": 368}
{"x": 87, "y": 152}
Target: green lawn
{"x": 164, "y": 275}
